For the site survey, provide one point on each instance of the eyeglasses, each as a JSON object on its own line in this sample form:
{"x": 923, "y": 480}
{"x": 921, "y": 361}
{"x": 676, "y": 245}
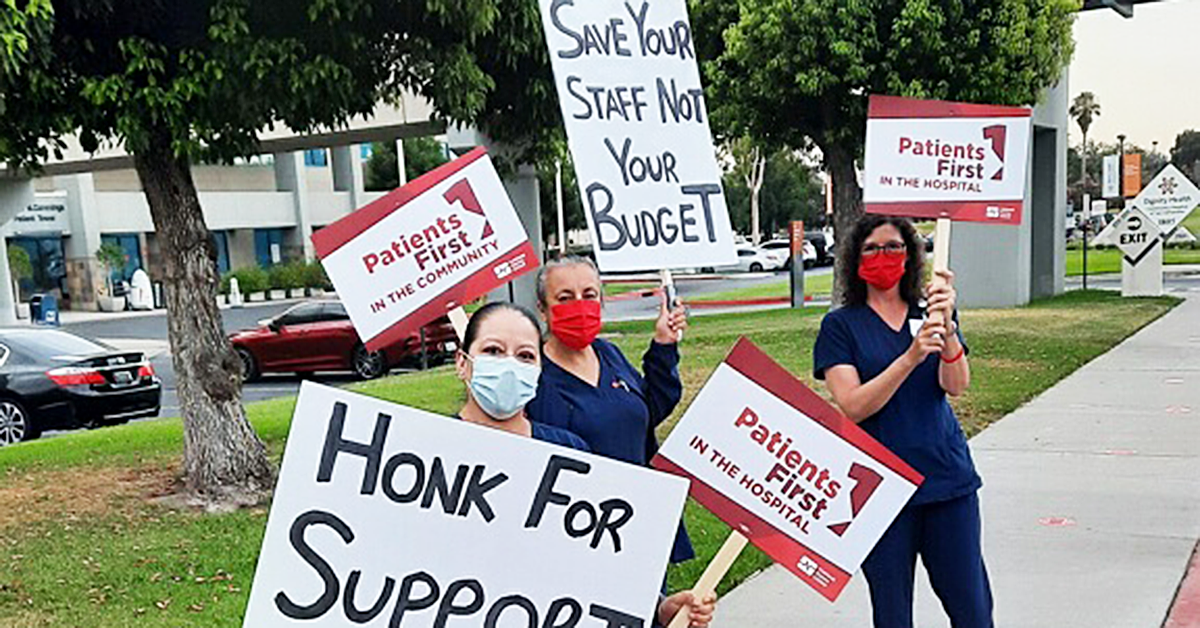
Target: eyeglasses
{"x": 890, "y": 247}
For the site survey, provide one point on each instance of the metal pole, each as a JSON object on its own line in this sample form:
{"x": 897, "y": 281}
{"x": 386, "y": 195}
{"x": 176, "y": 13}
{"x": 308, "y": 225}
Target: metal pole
{"x": 1121, "y": 169}
{"x": 1086, "y": 210}
{"x": 558, "y": 198}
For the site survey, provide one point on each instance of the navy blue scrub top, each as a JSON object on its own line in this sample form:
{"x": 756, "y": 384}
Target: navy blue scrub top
{"x": 553, "y": 435}
{"x": 917, "y": 423}
{"x": 617, "y": 417}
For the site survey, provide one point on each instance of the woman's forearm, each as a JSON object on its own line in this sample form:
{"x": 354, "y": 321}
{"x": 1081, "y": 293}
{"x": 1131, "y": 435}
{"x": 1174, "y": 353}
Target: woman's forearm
{"x": 954, "y": 375}
{"x": 861, "y": 401}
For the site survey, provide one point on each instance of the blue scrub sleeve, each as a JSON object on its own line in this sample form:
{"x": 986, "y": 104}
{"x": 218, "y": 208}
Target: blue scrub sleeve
{"x": 834, "y": 346}
{"x": 664, "y": 388}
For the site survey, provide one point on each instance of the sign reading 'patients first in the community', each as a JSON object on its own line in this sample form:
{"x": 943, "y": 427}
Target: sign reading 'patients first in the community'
{"x": 389, "y": 516}
{"x": 638, "y": 130}
{"x": 783, "y": 467}
{"x": 938, "y": 159}
{"x": 437, "y": 243}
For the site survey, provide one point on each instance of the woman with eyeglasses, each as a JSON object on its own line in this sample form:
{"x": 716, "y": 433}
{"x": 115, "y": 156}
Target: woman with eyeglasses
{"x": 890, "y": 370}
{"x": 500, "y": 361}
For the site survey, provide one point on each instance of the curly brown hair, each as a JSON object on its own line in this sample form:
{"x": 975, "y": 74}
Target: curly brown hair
{"x": 851, "y": 254}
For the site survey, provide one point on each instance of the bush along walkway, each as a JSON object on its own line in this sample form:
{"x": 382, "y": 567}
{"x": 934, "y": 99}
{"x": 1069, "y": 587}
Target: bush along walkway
{"x": 1091, "y": 504}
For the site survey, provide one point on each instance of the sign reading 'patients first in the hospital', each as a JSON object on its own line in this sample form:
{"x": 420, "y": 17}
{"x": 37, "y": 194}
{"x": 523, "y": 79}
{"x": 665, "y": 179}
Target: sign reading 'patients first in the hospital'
{"x": 638, "y": 130}
{"x": 443, "y": 240}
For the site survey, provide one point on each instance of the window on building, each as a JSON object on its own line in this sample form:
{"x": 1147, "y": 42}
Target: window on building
{"x": 268, "y": 247}
{"x": 221, "y": 241}
{"x": 316, "y": 157}
{"x": 49, "y": 264}
{"x": 133, "y": 254}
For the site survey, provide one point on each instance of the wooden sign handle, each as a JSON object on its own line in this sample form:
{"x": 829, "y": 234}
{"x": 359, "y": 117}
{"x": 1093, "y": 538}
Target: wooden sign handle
{"x": 941, "y": 259}
{"x": 458, "y": 318}
{"x": 712, "y": 575}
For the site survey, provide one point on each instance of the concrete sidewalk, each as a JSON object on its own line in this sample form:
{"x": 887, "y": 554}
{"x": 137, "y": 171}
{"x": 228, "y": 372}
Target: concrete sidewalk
{"x": 1091, "y": 501}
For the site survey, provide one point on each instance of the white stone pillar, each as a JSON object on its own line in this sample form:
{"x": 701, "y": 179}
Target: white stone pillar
{"x": 348, "y": 173}
{"x": 15, "y": 195}
{"x": 290, "y": 177}
{"x": 401, "y": 164}
{"x": 85, "y": 276}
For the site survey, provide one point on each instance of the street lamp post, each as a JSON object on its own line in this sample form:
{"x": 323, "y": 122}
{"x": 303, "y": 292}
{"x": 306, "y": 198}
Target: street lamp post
{"x": 1121, "y": 169}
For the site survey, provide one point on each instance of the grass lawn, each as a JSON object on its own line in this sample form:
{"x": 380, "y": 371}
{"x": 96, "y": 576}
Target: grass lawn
{"x": 84, "y": 543}
{"x": 1109, "y": 260}
{"x": 613, "y": 288}
{"x": 816, "y": 285}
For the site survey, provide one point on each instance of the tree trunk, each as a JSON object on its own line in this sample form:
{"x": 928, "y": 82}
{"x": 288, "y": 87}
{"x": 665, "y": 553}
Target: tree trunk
{"x": 847, "y": 206}
{"x": 754, "y": 181}
{"x": 223, "y": 459}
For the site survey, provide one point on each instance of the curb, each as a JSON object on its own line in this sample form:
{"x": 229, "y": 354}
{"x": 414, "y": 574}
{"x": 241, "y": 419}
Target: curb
{"x": 1185, "y": 608}
{"x": 734, "y": 303}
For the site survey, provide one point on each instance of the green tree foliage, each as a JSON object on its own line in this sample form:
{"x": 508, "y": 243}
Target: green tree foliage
{"x": 421, "y": 155}
{"x": 791, "y": 191}
{"x": 795, "y": 72}
{"x": 1084, "y": 109}
{"x": 1186, "y": 152}
{"x": 180, "y": 82}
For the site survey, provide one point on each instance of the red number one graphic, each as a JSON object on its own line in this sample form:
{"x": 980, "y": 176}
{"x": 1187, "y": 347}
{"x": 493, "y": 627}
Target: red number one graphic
{"x": 866, "y": 480}
{"x": 997, "y": 134}
{"x": 461, "y": 192}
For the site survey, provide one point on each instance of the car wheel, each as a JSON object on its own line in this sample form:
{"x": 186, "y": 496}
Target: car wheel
{"x": 15, "y": 425}
{"x": 708, "y": 270}
{"x": 367, "y": 364}
{"x": 250, "y": 370}
{"x": 756, "y": 267}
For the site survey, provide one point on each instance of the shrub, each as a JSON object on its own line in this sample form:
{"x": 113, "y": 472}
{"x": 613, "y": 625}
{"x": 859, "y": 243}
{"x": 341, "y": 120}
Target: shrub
{"x": 286, "y": 276}
{"x": 250, "y": 280}
{"x": 314, "y": 276}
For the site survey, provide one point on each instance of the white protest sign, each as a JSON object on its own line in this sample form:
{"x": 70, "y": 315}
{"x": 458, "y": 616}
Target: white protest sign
{"x": 445, "y": 239}
{"x": 1168, "y": 199}
{"x": 637, "y": 127}
{"x": 1135, "y": 233}
{"x": 780, "y": 465}
{"x": 389, "y": 516}
{"x": 1111, "y": 177}
{"x": 938, "y": 159}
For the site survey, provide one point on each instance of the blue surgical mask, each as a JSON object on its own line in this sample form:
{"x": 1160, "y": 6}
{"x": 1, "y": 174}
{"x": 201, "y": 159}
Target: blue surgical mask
{"x": 502, "y": 385}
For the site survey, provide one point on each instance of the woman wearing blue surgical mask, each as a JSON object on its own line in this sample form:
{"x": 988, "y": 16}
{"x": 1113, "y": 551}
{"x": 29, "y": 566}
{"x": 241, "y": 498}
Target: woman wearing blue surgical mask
{"x": 500, "y": 362}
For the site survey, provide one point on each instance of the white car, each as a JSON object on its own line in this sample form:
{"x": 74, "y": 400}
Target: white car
{"x": 783, "y": 248}
{"x": 755, "y": 260}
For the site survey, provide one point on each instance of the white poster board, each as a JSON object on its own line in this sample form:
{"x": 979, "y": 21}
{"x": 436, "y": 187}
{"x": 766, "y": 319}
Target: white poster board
{"x": 637, "y": 127}
{"x": 1168, "y": 199}
{"x": 783, "y": 467}
{"x": 439, "y": 242}
{"x": 939, "y": 159}
{"x": 1111, "y": 178}
{"x": 388, "y": 514}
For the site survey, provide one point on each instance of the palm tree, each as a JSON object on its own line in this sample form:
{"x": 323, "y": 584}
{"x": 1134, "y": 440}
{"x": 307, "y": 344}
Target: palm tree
{"x": 1084, "y": 108}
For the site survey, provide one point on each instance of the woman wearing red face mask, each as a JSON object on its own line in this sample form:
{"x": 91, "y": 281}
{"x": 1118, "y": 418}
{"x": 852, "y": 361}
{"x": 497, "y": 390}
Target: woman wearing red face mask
{"x": 588, "y": 387}
{"x": 890, "y": 371}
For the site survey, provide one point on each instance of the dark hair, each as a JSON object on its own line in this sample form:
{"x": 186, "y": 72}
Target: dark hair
{"x": 851, "y": 256}
{"x": 486, "y": 312}
{"x": 566, "y": 260}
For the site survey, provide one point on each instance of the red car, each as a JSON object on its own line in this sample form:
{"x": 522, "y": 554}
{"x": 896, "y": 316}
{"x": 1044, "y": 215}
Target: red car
{"x": 318, "y": 336}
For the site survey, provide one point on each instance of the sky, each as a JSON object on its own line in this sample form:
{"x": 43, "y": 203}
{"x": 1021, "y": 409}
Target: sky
{"x": 1145, "y": 72}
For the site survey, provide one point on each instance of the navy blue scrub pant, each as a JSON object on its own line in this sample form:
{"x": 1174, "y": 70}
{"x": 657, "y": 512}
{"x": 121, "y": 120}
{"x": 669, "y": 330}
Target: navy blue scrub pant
{"x": 947, "y": 537}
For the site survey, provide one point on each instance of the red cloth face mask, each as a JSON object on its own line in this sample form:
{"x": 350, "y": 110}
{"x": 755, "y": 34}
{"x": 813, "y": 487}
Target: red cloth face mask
{"x": 883, "y": 270}
{"x": 576, "y": 323}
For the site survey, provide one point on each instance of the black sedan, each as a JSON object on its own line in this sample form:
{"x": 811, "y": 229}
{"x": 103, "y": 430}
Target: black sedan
{"x": 50, "y": 379}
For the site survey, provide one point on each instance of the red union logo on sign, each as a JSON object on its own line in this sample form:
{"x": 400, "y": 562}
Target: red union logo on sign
{"x": 936, "y": 159}
{"x": 443, "y": 240}
{"x": 778, "y": 463}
